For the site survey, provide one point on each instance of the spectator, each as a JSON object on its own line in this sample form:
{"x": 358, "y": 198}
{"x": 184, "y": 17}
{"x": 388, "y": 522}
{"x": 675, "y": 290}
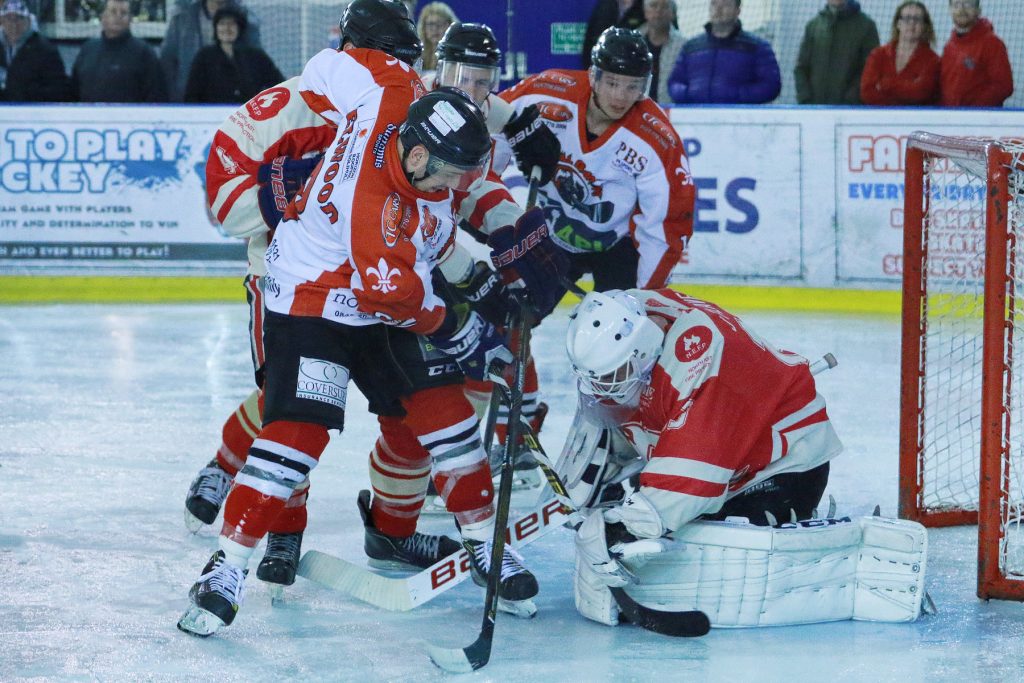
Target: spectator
{"x": 117, "y": 66}
{"x": 229, "y": 71}
{"x": 607, "y": 13}
{"x": 435, "y": 18}
{"x": 664, "y": 41}
{"x": 31, "y": 69}
{"x": 904, "y": 71}
{"x": 725, "y": 64}
{"x": 835, "y": 46}
{"x": 975, "y": 70}
{"x": 189, "y": 29}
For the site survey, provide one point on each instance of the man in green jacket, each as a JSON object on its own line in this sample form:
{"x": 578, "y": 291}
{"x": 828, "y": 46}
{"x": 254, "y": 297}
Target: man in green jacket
{"x": 835, "y": 46}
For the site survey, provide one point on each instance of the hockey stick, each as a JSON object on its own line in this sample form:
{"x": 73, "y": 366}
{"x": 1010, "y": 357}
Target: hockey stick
{"x": 401, "y": 594}
{"x": 477, "y": 654}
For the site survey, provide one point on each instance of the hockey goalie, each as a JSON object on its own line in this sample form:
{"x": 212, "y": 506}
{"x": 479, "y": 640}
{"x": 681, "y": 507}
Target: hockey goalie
{"x": 700, "y": 454}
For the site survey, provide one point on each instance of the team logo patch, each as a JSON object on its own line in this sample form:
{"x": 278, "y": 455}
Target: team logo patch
{"x": 383, "y": 272}
{"x": 692, "y": 344}
{"x": 390, "y": 219}
{"x": 553, "y": 111}
{"x": 268, "y": 103}
{"x": 322, "y": 380}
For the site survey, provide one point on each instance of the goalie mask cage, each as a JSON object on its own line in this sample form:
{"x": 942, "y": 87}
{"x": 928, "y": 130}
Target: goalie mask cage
{"x": 962, "y": 377}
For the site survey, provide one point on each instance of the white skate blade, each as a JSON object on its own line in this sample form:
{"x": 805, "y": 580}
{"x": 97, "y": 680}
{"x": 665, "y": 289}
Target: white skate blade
{"x": 527, "y": 480}
{"x": 433, "y": 505}
{"x": 198, "y": 622}
{"x": 524, "y": 609}
{"x": 193, "y": 523}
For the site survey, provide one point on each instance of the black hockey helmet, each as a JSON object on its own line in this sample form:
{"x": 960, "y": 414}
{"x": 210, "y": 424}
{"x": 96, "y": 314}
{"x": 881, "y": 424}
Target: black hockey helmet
{"x": 469, "y": 44}
{"x": 622, "y": 51}
{"x": 467, "y": 59}
{"x": 454, "y": 132}
{"x": 382, "y": 25}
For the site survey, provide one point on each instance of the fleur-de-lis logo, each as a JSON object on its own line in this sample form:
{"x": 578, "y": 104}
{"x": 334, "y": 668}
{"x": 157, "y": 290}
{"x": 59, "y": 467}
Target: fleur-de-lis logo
{"x": 383, "y": 272}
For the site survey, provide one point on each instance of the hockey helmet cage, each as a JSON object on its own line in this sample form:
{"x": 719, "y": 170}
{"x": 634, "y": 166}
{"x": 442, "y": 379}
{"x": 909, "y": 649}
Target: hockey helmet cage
{"x": 622, "y": 51}
{"x": 382, "y": 25}
{"x": 452, "y": 129}
{"x": 612, "y": 346}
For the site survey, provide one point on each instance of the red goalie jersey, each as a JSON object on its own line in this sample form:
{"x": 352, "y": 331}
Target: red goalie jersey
{"x": 724, "y": 411}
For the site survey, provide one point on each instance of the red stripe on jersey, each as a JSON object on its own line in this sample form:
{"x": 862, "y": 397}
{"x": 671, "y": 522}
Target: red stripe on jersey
{"x": 820, "y": 416}
{"x": 318, "y": 103}
{"x": 229, "y": 203}
{"x": 488, "y": 202}
{"x": 217, "y": 173}
{"x": 687, "y": 485}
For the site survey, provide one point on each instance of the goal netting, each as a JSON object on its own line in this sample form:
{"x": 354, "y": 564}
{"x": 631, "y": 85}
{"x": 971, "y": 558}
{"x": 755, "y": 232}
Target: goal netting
{"x": 962, "y": 385}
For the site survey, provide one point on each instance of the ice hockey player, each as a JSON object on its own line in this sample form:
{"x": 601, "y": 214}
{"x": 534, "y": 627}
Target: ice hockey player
{"x": 343, "y": 304}
{"x": 259, "y": 158}
{"x": 686, "y": 416}
{"x": 287, "y": 135}
{"x": 622, "y": 200}
{"x": 468, "y": 58}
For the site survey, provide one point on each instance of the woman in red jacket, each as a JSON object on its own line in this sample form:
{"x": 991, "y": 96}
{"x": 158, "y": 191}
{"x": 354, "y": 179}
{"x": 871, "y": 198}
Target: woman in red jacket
{"x": 904, "y": 71}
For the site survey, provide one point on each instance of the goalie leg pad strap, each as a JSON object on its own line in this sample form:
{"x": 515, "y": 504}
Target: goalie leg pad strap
{"x": 813, "y": 571}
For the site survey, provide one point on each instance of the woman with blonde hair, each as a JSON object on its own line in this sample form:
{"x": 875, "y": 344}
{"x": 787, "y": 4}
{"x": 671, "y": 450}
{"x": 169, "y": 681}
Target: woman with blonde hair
{"x": 904, "y": 71}
{"x": 435, "y": 18}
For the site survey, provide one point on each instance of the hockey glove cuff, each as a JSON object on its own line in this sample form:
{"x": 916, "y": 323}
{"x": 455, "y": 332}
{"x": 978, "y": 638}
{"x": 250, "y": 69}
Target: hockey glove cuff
{"x": 526, "y": 256}
{"x": 476, "y": 344}
{"x": 278, "y": 182}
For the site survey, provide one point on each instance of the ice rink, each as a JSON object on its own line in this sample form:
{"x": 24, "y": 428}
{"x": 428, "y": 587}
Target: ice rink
{"x": 107, "y": 412}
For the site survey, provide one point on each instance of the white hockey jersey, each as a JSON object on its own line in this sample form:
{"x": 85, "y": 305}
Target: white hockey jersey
{"x": 358, "y": 243}
{"x": 724, "y": 411}
{"x": 631, "y": 181}
{"x": 277, "y": 122}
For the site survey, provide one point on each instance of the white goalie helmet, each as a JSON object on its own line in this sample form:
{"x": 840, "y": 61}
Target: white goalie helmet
{"x": 612, "y": 346}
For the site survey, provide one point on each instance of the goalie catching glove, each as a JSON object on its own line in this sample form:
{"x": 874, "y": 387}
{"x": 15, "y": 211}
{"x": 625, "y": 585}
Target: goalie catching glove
{"x": 525, "y": 256}
{"x": 608, "y": 545}
{"x": 533, "y": 143}
{"x": 475, "y": 343}
{"x": 279, "y": 180}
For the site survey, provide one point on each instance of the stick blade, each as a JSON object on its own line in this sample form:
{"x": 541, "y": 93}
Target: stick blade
{"x": 687, "y": 624}
{"x": 459, "y": 660}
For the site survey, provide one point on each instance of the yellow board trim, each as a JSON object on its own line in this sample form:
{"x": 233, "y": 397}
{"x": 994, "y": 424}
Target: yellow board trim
{"x": 158, "y": 289}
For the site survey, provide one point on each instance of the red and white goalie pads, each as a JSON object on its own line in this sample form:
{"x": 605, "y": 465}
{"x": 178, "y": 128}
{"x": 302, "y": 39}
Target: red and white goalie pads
{"x": 819, "y": 570}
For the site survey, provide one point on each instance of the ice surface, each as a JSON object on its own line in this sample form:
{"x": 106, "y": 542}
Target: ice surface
{"x": 107, "y": 412}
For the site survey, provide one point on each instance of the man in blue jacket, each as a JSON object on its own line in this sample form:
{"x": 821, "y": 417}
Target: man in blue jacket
{"x": 725, "y": 64}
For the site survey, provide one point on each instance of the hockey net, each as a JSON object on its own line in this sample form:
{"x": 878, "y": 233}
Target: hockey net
{"x": 962, "y": 384}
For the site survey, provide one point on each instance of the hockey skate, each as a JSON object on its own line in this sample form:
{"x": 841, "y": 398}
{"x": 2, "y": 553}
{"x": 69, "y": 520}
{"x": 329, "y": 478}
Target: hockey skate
{"x": 205, "y": 496}
{"x": 415, "y": 552}
{"x": 215, "y": 597}
{"x": 517, "y": 586}
{"x": 279, "y": 563}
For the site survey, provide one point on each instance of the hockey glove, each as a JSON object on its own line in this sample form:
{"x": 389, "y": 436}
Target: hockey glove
{"x": 486, "y": 294}
{"x": 526, "y": 256}
{"x": 533, "y": 143}
{"x": 476, "y": 344}
{"x": 278, "y": 181}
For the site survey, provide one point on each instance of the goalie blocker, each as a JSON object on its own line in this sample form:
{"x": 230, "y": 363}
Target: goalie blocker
{"x": 742, "y": 575}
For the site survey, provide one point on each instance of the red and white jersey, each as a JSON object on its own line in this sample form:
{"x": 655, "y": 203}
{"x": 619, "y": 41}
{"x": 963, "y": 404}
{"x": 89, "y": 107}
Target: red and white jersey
{"x": 276, "y": 122}
{"x": 631, "y": 181}
{"x": 358, "y": 243}
{"x": 724, "y": 411}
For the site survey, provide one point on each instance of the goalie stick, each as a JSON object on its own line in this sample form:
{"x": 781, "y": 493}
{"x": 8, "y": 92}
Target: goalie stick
{"x": 401, "y": 594}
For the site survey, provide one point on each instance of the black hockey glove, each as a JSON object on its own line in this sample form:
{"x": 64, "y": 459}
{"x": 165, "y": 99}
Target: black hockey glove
{"x": 533, "y": 143}
{"x": 486, "y": 293}
{"x": 475, "y": 343}
{"x": 526, "y": 256}
{"x": 279, "y": 180}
